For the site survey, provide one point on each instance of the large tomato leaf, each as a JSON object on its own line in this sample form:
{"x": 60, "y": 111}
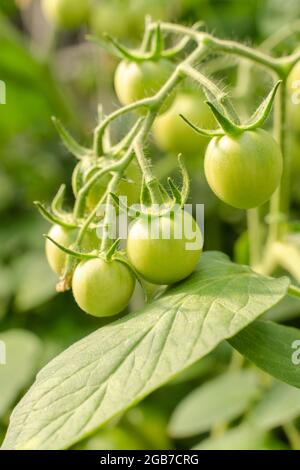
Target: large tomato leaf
{"x": 272, "y": 347}
{"x": 115, "y": 367}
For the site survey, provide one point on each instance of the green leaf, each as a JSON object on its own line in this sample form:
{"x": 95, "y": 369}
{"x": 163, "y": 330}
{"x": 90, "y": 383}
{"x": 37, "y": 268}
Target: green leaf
{"x": 104, "y": 374}
{"x": 23, "y": 350}
{"x": 220, "y": 400}
{"x": 270, "y": 347}
{"x": 280, "y": 405}
{"x": 243, "y": 437}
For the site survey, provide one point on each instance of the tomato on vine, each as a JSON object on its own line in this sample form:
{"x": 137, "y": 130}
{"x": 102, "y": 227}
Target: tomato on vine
{"x": 102, "y": 288}
{"x": 173, "y": 135}
{"x": 243, "y": 170}
{"x": 67, "y": 13}
{"x": 65, "y": 237}
{"x": 165, "y": 249}
{"x": 105, "y": 20}
{"x": 137, "y": 80}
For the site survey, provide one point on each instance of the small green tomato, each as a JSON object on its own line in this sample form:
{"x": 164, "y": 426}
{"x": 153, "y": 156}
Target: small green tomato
{"x": 137, "y": 80}
{"x": 165, "y": 249}
{"x": 65, "y": 237}
{"x": 172, "y": 134}
{"x": 102, "y": 288}
{"x": 243, "y": 170}
{"x": 66, "y": 13}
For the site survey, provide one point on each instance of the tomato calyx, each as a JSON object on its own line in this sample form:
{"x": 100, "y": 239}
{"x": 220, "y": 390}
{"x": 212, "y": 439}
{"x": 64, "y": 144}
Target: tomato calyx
{"x": 228, "y": 126}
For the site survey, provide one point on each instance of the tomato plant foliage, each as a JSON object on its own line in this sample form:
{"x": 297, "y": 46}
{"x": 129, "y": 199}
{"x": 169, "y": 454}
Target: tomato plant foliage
{"x": 107, "y": 372}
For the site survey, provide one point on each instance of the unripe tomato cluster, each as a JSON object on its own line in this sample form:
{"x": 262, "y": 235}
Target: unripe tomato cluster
{"x": 162, "y": 249}
{"x": 243, "y": 168}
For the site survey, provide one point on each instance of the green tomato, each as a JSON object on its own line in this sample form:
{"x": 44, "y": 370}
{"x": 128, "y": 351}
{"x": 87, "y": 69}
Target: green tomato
{"x": 111, "y": 17}
{"x": 102, "y": 288}
{"x": 66, "y": 13}
{"x": 65, "y": 237}
{"x": 293, "y": 86}
{"x": 172, "y": 134}
{"x": 137, "y": 80}
{"x": 243, "y": 170}
{"x": 165, "y": 249}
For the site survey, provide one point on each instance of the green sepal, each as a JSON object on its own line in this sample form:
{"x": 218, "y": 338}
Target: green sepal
{"x": 157, "y": 43}
{"x": 56, "y": 205}
{"x": 70, "y": 143}
{"x": 263, "y": 111}
{"x": 114, "y": 47}
{"x": 257, "y": 120}
{"x": 145, "y": 197}
{"x": 123, "y": 207}
{"x": 54, "y": 219}
{"x": 203, "y": 132}
{"x": 228, "y": 126}
{"x": 185, "y": 190}
{"x": 112, "y": 250}
{"x": 69, "y": 251}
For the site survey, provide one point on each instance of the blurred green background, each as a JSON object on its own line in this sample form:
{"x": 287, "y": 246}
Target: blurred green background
{"x": 55, "y": 71}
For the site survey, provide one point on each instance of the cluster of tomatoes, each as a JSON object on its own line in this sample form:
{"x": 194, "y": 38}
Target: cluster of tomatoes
{"x": 243, "y": 169}
{"x": 103, "y": 287}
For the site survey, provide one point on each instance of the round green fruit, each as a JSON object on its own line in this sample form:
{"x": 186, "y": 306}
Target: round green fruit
{"x": 243, "y": 170}
{"x": 66, "y": 13}
{"x": 102, "y": 288}
{"x": 165, "y": 249}
{"x": 174, "y": 135}
{"x": 111, "y": 17}
{"x": 65, "y": 237}
{"x": 137, "y": 80}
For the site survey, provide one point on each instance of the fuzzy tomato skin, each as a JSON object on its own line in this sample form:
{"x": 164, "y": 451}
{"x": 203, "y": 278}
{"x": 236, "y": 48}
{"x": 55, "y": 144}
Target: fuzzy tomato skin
{"x": 135, "y": 81}
{"x": 293, "y": 86}
{"x": 243, "y": 170}
{"x": 56, "y": 257}
{"x": 102, "y": 288}
{"x": 173, "y": 135}
{"x": 66, "y": 13}
{"x": 165, "y": 260}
